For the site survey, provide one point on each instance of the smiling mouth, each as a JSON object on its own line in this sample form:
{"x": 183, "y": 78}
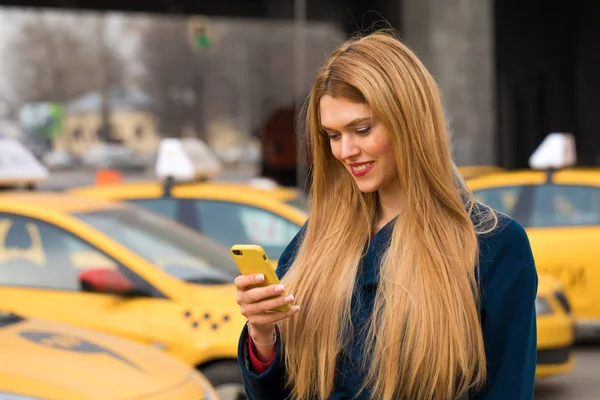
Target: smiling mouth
{"x": 362, "y": 169}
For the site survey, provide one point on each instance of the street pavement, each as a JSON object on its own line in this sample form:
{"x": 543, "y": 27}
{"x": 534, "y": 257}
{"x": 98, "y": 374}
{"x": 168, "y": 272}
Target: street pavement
{"x": 582, "y": 383}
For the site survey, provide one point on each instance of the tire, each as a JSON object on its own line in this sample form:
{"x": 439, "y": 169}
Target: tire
{"x": 226, "y": 377}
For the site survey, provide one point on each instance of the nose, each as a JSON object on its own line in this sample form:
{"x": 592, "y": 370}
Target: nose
{"x": 349, "y": 148}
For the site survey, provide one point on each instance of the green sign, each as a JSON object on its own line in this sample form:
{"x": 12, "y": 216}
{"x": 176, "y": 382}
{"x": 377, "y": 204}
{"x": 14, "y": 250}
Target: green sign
{"x": 44, "y": 120}
{"x": 201, "y": 40}
{"x": 199, "y": 34}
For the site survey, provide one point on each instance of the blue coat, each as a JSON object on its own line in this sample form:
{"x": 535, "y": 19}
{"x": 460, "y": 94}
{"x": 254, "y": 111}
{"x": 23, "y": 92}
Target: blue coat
{"x": 508, "y": 282}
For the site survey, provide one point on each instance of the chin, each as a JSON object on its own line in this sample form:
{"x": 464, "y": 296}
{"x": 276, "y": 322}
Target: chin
{"x": 367, "y": 187}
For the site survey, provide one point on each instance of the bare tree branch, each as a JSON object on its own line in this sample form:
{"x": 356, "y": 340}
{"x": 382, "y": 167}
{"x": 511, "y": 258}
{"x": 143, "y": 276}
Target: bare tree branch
{"x": 53, "y": 61}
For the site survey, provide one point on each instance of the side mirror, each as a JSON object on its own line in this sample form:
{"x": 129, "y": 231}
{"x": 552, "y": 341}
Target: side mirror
{"x": 101, "y": 280}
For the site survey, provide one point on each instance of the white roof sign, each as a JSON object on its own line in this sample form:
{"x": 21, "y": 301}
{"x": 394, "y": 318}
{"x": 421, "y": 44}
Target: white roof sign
{"x": 18, "y": 165}
{"x": 186, "y": 159}
{"x": 555, "y": 152}
{"x": 263, "y": 183}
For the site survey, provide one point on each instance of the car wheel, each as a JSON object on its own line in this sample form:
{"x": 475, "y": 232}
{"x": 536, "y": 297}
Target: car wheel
{"x": 226, "y": 377}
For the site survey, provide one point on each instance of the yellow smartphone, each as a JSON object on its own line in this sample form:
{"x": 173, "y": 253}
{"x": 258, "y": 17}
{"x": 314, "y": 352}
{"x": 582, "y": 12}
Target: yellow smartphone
{"x": 252, "y": 259}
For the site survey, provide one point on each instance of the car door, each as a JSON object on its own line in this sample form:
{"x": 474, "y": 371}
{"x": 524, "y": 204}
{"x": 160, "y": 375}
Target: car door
{"x": 39, "y": 267}
{"x": 564, "y": 230}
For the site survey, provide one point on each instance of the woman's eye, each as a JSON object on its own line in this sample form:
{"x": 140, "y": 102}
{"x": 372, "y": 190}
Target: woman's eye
{"x": 364, "y": 130}
{"x": 333, "y": 136}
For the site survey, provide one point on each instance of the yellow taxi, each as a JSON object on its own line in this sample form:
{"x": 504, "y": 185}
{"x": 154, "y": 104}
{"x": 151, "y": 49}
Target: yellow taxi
{"x": 123, "y": 270}
{"x": 49, "y": 360}
{"x": 253, "y": 212}
{"x": 559, "y": 206}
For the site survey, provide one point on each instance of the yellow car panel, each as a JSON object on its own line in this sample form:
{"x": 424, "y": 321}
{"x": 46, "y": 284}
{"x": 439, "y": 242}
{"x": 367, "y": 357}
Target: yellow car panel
{"x": 154, "y": 189}
{"x": 146, "y": 189}
{"x": 516, "y": 178}
{"x": 472, "y": 171}
{"x": 555, "y": 332}
{"x": 577, "y": 176}
{"x": 561, "y": 214}
{"x": 572, "y": 176}
{"x": 54, "y": 361}
{"x": 566, "y": 253}
{"x": 55, "y": 202}
{"x": 195, "y": 322}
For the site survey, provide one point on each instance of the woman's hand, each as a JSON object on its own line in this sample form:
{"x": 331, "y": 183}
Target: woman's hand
{"x": 255, "y": 304}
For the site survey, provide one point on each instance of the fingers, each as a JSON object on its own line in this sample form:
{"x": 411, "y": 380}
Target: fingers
{"x": 258, "y": 294}
{"x": 243, "y": 282}
{"x": 265, "y": 305}
{"x": 271, "y": 318}
{"x": 257, "y": 302}
{"x": 247, "y": 295}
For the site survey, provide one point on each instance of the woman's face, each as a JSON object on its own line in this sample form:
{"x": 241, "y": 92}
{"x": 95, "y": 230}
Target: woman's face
{"x": 359, "y": 142}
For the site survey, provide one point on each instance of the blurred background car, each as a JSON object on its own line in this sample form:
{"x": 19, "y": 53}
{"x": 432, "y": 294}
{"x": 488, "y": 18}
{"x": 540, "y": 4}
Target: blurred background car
{"x": 121, "y": 269}
{"x": 49, "y": 360}
{"x": 559, "y": 206}
{"x": 254, "y": 212}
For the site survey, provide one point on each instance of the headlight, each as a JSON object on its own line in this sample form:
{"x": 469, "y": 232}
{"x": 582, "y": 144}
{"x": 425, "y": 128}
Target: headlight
{"x": 12, "y": 396}
{"x": 542, "y": 307}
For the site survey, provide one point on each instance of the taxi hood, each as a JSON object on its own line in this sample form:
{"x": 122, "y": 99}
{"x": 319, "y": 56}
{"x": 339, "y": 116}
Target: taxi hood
{"x": 57, "y": 360}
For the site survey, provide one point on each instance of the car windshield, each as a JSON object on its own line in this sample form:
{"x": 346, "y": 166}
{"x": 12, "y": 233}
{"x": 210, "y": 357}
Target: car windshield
{"x": 176, "y": 250}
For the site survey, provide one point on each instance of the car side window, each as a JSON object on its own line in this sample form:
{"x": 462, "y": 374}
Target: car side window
{"x": 234, "y": 223}
{"x": 166, "y": 206}
{"x": 37, "y": 254}
{"x": 502, "y": 199}
{"x": 565, "y": 205}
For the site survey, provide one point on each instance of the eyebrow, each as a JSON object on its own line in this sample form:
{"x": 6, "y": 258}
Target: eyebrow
{"x": 354, "y": 122}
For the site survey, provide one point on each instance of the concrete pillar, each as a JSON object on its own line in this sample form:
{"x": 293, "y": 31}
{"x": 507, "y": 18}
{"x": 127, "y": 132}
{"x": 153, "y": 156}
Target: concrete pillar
{"x": 455, "y": 39}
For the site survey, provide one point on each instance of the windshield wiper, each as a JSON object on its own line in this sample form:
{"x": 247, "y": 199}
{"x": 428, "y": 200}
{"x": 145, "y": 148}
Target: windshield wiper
{"x": 9, "y": 319}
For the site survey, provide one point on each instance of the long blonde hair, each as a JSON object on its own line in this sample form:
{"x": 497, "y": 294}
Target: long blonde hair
{"x": 424, "y": 339}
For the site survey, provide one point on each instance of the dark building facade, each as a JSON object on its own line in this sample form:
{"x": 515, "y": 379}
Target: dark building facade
{"x": 510, "y": 71}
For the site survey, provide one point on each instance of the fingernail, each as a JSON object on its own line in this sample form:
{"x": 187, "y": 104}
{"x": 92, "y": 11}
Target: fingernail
{"x": 295, "y": 308}
{"x": 259, "y": 277}
{"x": 279, "y": 288}
{"x": 289, "y": 299}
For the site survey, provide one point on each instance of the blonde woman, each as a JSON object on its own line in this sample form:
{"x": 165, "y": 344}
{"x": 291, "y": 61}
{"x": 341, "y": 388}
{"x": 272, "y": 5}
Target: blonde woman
{"x": 403, "y": 287}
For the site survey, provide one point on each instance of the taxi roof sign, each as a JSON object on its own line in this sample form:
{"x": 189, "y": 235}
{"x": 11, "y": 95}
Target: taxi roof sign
{"x": 555, "y": 152}
{"x": 263, "y": 183}
{"x": 18, "y": 165}
{"x": 186, "y": 160}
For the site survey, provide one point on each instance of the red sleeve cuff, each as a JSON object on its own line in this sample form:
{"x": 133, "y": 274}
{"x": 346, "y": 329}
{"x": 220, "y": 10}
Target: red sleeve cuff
{"x": 258, "y": 366}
